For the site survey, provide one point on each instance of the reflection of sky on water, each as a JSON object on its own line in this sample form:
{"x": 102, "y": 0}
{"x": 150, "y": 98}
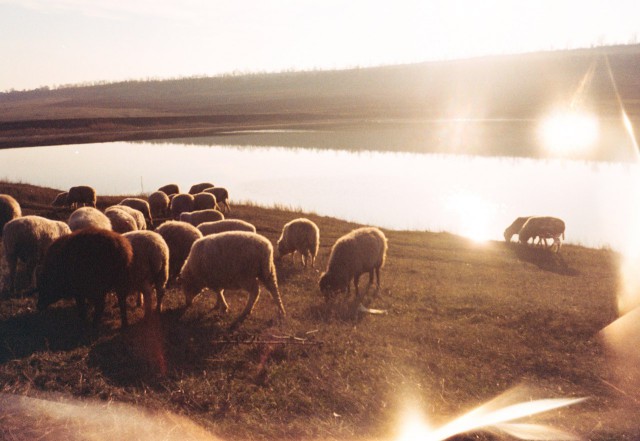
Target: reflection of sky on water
{"x": 467, "y": 195}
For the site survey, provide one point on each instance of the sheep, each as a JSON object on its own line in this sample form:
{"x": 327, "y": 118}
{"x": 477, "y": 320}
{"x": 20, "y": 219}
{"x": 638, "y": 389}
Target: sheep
{"x": 301, "y": 235}
{"x": 203, "y": 201}
{"x": 150, "y": 267}
{"x": 195, "y": 218}
{"x": 515, "y": 227}
{"x": 543, "y": 227}
{"x": 86, "y": 265}
{"x": 208, "y": 228}
{"x": 141, "y": 205}
{"x": 82, "y": 195}
{"x": 121, "y": 220}
{"x": 9, "y": 210}
{"x": 159, "y": 204}
{"x": 181, "y": 203}
{"x": 170, "y": 189}
{"x": 136, "y": 214}
{"x": 231, "y": 260}
{"x": 179, "y": 237}
{"x": 61, "y": 199}
{"x": 222, "y": 196}
{"x": 360, "y": 251}
{"x": 27, "y": 239}
{"x": 198, "y": 188}
{"x": 85, "y": 217}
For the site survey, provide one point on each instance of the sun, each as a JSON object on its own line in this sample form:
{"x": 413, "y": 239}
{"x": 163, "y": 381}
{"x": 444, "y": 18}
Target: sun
{"x": 569, "y": 132}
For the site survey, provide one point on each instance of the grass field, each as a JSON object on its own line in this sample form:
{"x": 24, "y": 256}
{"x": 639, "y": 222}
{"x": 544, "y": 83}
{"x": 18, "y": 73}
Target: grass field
{"x": 465, "y": 322}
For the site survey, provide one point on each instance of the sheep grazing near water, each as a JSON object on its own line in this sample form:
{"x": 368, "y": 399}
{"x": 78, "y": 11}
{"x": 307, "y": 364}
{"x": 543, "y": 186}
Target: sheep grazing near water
{"x": 195, "y": 218}
{"x": 361, "y": 251}
{"x": 150, "y": 267}
{"x": 121, "y": 220}
{"x": 181, "y": 203}
{"x": 27, "y": 239}
{"x": 170, "y": 189}
{"x": 204, "y": 201}
{"x": 86, "y": 265}
{"x": 222, "y": 197}
{"x": 86, "y": 217}
{"x": 221, "y": 226}
{"x": 515, "y": 227}
{"x": 136, "y": 214}
{"x": 231, "y": 260}
{"x": 199, "y": 188}
{"x": 60, "y": 199}
{"x": 81, "y": 196}
{"x": 159, "y": 204}
{"x": 543, "y": 227}
{"x": 301, "y": 235}
{"x": 141, "y": 205}
{"x": 179, "y": 237}
{"x": 9, "y": 210}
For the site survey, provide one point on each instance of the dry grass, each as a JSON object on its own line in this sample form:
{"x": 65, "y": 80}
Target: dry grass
{"x": 465, "y": 322}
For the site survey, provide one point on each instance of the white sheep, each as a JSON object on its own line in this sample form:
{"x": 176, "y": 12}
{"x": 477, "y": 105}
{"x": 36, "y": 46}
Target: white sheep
{"x": 363, "y": 250}
{"x": 121, "y": 220}
{"x": 136, "y": 214}
{"x": 231, "y": 260}
{"x": 543, "y": 227}
{"x": 85, "y": 217}
{"x": 181, "y": 203}
{"x": 301, "y": 235}
{"x": 179, "y": 237}
{"x": 9, "y": 210}
{"x": 159, "y": 204}
{"x": 27, "y": 239}
{"x": 203, "y": 201}
{"x": 150, "y": 268}
{"x": 208, "y": 228}
{"x": 141, "y": 205}
{"x": 195, "y": 218}
{"x": 81, "y": 195}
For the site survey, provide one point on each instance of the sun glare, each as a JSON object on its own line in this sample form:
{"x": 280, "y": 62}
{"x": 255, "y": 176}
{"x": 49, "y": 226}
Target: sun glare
{"x": 472, "y": 216}
{"x": 567, "y": 133}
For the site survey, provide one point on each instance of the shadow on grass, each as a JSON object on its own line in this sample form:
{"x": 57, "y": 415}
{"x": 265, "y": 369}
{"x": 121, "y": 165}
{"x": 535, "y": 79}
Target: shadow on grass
{"x": 544, "y": 259}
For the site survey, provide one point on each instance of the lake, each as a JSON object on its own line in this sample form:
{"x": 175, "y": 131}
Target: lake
{"x": 470, "y": 195}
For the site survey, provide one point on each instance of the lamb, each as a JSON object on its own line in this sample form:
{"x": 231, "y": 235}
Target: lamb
{"x": 27, "y": 239}
{"x": 136, "y": 214}
{"x": 82, "y": 195}
{"x": 141, "y": 205}
{"x": 9, "y": 210}
{"x": 209, "y": 228}
{"x": 121, "y": 220}
{"x": 170, "y": 189}
{"x": 195, "y": 218}
{"x": 222, "y": 196}
{"x": 150, "y": 267}
{"x": 181, "y": 203}
{"x": 203, "y": 201}
{"x": 61, "y": 200}
{"x": 85, "y": 217}
{"x": 86, "y": 265}
{"x": 179, "y": 237}
{"x": 360, "y": 251}
{"x": 159, "y": 204}
{"x": 515, "y": 227}
{"x": 198, "y": 188}
{"x": 543, "y": 227}
{"x": 301, "y": 235}
{"x": 231, "y": 260}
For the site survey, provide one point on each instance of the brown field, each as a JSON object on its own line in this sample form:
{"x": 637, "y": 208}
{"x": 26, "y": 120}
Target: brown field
{"x": 465, "y": 322}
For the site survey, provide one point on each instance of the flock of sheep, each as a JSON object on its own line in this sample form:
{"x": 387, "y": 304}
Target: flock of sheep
{"x": 95, "y": 253}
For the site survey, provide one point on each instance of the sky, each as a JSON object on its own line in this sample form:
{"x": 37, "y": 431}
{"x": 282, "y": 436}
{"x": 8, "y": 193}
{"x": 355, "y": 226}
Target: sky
{"x": 62, "y": 42}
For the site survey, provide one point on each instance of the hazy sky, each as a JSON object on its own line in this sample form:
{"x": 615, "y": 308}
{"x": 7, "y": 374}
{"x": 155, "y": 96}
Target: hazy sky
{"x": 56, "y": 42}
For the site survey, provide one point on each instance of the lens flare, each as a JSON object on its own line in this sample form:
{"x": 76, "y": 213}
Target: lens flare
{"x": 569, "y": 132}
{"x": 473, "y": 218}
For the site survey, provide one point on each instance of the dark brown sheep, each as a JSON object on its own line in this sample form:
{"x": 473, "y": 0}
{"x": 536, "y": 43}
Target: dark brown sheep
{"x": 198, "y": 188}
{"x": 86, "y": 265}
{"x": 81, "y": 196}
{"x": 170, "y": 189}
{"x": 222, "y": 197}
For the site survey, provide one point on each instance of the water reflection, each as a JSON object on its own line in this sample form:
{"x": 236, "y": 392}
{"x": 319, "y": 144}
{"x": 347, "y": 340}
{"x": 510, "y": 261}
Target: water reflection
{"x": 472, "y": 196}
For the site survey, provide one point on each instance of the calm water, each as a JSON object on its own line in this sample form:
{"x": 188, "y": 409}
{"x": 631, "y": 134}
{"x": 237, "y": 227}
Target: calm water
{"x": 473, "y": 196}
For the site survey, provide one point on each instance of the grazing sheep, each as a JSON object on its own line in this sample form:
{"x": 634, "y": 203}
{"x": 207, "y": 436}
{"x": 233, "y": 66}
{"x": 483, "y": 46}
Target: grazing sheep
{"x": 515, "y": 227}
{"x": 198, "y": 188}
{"x": 195, "y": 218}
{"x": 141, "y": 205}
{"x": 179, "y": 237}
{"x": 27, "y": 239}
{"x": 9, "y": 210}
{"x": 361, "y": 251}
{"x": 301, "y": 235}
{"x": 150, "y": 268}
{"x": 82, "y": 195}
{"x": 170, "y": 189}
{"x": 61, "y": 199}
{"x": 86, "y": 265}
{"x": 86, "y": 217}
{"x": 181, "y": 203}
{"x": 222, "y": 196}
{"x": 543, "y": 227}
{"x": 231, "y": 260}
{"x": 208, "y": 228}
{"x": 121, "y": 220}
{"x": 203, "y": 201}
{"x": 136, "y": 214}
{"x": 159, "y": 204}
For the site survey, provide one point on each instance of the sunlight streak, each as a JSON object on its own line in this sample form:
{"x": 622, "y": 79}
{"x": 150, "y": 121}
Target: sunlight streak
{"x": 473, "y": 216}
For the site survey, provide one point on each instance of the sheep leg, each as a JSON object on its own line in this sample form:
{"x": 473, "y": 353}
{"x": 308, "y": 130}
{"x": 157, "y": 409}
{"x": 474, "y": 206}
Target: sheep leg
{"x": 98, "y": 310}
{"x": 146, "y": 298}
{"x": 254, "y": 293}
{"x": 159, "y": 296}
{"x": 221, "y": 303}
{"x": 122, "y": 303}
